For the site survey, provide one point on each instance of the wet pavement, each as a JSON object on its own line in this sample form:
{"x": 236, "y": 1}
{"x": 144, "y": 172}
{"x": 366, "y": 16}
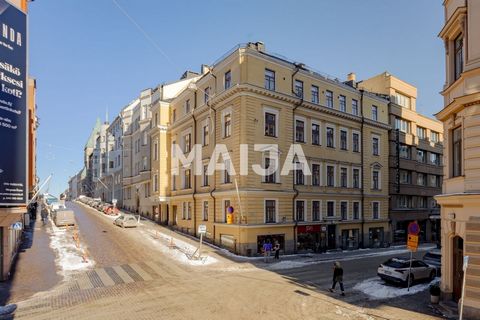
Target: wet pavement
{"x": 34, "y": 269}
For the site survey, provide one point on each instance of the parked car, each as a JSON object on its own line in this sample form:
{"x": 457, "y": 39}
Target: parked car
{"x": 434, "y": 259}
{"x": 110, "y": 209}
{"x": 396, "y": 270}
{"x": 126, "y": 220}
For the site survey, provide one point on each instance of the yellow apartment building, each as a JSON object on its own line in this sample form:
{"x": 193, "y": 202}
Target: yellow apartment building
{"x": 460, "y": 201}
{"x": 415, "y": 165}
{"x": 250, "y": 97}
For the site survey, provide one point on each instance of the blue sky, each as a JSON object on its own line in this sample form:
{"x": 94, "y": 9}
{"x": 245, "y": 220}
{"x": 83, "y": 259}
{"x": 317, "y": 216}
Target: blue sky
{"x": 88, "y": 56}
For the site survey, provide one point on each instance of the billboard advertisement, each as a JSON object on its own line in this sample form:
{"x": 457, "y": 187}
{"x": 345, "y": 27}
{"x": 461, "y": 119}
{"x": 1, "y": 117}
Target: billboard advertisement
{"x": 13, "y": 105}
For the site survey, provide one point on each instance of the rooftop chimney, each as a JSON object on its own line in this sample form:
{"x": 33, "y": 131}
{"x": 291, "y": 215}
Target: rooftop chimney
{"x": 352, "y": 77}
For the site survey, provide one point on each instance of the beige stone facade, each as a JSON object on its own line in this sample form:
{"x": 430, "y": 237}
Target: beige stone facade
{"x": 251, "y": 97}
{"x": 415, "y": 161}
{"x": 460, "y": 201}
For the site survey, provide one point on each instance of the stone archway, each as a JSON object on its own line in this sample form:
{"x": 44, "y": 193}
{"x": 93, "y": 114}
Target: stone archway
{"x": 457, "y": 267}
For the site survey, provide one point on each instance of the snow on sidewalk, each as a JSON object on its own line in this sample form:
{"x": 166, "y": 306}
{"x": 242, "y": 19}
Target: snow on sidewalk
{"x": 377, "y": 289}
{"x": 68, "y": 257}
{"x": 180, "y": 251}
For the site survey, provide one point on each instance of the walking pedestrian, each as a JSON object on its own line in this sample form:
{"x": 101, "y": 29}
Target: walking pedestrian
{"x": 267, "y": 249}
{"x": 277, "y": 250}
{"x": 337, "y": 277}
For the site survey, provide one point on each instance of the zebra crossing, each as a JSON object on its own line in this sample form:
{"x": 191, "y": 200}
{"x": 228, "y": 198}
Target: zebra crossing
{"x": 117, "y": 275}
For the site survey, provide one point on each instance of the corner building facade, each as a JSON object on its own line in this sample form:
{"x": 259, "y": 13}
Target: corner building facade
{"x": 252, "y": 97}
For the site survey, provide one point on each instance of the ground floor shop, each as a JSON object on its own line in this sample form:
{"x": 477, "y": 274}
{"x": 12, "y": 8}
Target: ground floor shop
{"x": 11, "y": 226}
{"x": 429, "y": 222}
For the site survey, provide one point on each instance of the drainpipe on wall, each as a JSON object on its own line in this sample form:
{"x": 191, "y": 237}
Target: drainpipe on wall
{"x": 362, "y": 244}
{"x": 194, "y": 177}
{"x": 297, "y": 69}
{"x": 214, "y": 142}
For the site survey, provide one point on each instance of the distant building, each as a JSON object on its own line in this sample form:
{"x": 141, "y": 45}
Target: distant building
{"x": 415, "y": 159}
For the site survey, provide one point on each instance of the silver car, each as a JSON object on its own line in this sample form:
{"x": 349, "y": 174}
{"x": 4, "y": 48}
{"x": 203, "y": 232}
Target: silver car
{"x": 126, "y": 220}
{"x": 396, "y": 270}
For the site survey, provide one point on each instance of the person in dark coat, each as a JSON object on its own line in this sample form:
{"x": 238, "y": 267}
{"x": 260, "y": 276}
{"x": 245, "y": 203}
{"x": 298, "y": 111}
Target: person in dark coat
{"x": 276, "y": 248}
{"x": 337, "y": 277}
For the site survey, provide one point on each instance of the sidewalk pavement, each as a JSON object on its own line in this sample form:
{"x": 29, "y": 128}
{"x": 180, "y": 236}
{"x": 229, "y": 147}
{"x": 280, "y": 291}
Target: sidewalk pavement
{"x": 297, "y": 259}
{"x": 34, "y": 269}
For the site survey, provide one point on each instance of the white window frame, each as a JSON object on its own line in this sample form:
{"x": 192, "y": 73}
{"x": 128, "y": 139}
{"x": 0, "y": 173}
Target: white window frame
{"x": 379, "y": 144}
{"x": 347, "y": 146}
{"x": 334, "y": 127}
{"x": 320, "y": 217}
{"x": 379, "y": 214}
{"x": 340, "y": 178}
{"x": 359, "y": 141}
{"x": 316, "y": 122}
{"x": 379, "y": 179}
{"x": 277, "y": 173}
{"x": 334, "y": 174}
{"x": 346, "y": 201}
{"x": 334, "y": 209}
{"x": 320, "y": 173}
{"x": 265, "y": 210}
{"x": 359, "y": 177}
{"x": 359, "y": 210}
{"x": 224, "y": 113}
{"x": 276, "y": 112}
{"x": 304, "y": 210}
{"x": 305, "y": 137}
{"x": 206, "y": 123}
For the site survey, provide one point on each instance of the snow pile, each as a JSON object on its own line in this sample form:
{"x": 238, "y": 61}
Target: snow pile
{"x": 286, "y": 264}
{"x": 68, "y": 257}
{"x": 378, "y": 289}
{"x": 179, "y": 251}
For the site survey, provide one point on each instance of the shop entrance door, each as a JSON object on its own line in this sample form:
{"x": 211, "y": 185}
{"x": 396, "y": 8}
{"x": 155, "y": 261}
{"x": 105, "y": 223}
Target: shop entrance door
{"x": 332, "y": 236}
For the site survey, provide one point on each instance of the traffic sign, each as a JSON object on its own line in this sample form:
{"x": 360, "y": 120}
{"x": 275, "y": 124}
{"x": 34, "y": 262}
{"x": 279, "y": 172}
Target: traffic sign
{"x": 202, "y": 229}
{"x": 412, "y": 242}
{"x": 413, "y": 228}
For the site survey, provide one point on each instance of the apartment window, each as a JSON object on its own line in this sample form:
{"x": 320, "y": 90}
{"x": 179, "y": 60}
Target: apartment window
{"x": 421, "y": 179}
{"x": 269, "y": 79}
{"x": 402, "y": 125}
{"x": 375, "y": 146}
{"x": 458, "y": 57}
{"x": 404, "y": 151}
{"x": 375, "y": 180}
{"x": 457, "y": 152}
{"x": 343, "y": 210}
{"x": 315, "y": 98}
{"x": 147, "y": 190}
{"x": 300, "y": 210}
{"x": 330, "y": 137}
{"x": 356, "y": 178}
{"x": 174, "y": 115}
{"x": 435, "y": 181}
{"x": 226, "y": 174}
{"x": 156, "y": 120}
{"x": 174, "y": 182}
{"x": 356, "y": 142}
{"x": 375, "y": 113}
{"x": 145, "y": 163}
{"x": 422, "y": 202}
{"x": 434, "y": 158}
{"x": 270, "y": 211}
{"x": 228, "y": 80}
{"x": 330, "y": 209}
{"x": 315, "y": 134}
{"x": 186, "y": 179}
{"x": 434, "y": 136}
{"x": 299, "y": 131}
{"x": 271, "y": 178}
{"x": 187, "y": 106}
{"x": 343, "y": 140}
{"x": 329, "y": 98}
{"x": 375, "y": 210}
{"x": 356, "y": 210}
{"x": 270, "y": 124}
{"x": 145, "y": 138}
{"x": 227, "y": 119}
{"x": 315, "y": 174}
{"x": 299, "y": 88}
{"x": 402, "y": 100}
{"x": 206, "y": 94}
{"x": 405, "y": 177}
{"x": 205, "y": 135}
{"x": 205, "y": 210}
{"x": 226, "y": 205}
{"x": 315, "y": 210}
{"x": 355, "y": 107}
{"x": 404, "y": 202}
{"x": 155, "y": 183}
{"x": 110, "y": 165}
{"x": 343, "y": 177}
{"x": 421, "y": 156}
{"x": 299, "y": 176}
{"x": 343, "y": 103}
{"x": 205, "y": 175}
{"x": 187, "y": 142}
{"x": 330, "y": 176}
{"x": 421, "y": 133}
{"x": 155, "y": 151}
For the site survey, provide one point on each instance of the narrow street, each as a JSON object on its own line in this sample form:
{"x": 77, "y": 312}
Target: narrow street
{"x": 132, "y": 278}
